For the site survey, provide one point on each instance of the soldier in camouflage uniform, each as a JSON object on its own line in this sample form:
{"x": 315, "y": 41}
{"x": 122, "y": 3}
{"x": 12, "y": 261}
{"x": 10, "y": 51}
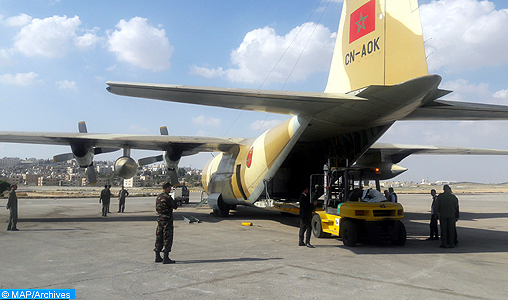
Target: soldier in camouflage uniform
{"x": 121, "y": 199}
{"x": 105, "y": 198}
{"x": 164, "y": 206}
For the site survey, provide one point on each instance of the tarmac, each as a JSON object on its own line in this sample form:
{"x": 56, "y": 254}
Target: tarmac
{"x": 66, "y": 244}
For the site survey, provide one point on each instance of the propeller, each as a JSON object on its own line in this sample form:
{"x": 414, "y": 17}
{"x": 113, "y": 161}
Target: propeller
{"x": 172, "y": 174}
{"x": 153, "y": 159}
{"x": 63, "y": 157}
{"x": 85, "y": 156}
{"x": 150, "y": 160}
{"x": 91, "y": 174}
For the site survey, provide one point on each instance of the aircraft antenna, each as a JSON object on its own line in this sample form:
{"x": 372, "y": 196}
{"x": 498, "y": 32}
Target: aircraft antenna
{"x": 303, "y": 50}
{"x": 283, "y": 54}
{"x": 290, "y": 44}
{"x": 233, "y": 123}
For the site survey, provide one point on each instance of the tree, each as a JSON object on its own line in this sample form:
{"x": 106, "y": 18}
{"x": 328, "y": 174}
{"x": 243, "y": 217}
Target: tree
{"x": 4, "y": 186}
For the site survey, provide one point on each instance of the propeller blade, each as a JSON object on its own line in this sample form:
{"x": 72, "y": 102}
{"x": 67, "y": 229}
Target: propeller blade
{"x": 99, "y": 150}
{"x": 91, "y": 174}
{"x": 82, "y": 127}
{"x": 149, "y": 160}
{"x": 173, "y": 177}
{"x": 63, "y": 157}
{"x": 164, "y": 130}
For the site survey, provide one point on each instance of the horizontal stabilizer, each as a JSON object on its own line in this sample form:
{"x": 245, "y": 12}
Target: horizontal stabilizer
{"x": 396, "y": 152}
{"x": 455, "y": 110}
{"x": 281, "y": 102}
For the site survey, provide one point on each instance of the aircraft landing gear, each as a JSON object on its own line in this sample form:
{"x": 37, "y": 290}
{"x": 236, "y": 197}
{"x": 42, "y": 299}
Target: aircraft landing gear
{"x": 223, "y": 210}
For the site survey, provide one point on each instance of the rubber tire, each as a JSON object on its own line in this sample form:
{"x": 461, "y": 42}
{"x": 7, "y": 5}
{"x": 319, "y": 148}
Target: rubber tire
{"x": 223, "y": 209}
{"x": 401, "y": 235}
{"x": 317, "y": 228}
{"x": 349, "y": 233}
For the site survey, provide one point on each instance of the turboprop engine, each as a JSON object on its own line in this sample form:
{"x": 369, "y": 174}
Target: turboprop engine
{"x": 171, "y": 158}
{"x": 125, "y": 167}
{"x": 380, "y": 171}
{"x": 83, "y": 154}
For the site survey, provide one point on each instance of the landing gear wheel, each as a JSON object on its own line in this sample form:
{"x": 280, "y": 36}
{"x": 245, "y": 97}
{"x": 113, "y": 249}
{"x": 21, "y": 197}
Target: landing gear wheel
{"x": 317, "y": 228}
{"x": 349, "y": 234}
{"x": 223, "y": 208}
{"x": 401, "y": 235}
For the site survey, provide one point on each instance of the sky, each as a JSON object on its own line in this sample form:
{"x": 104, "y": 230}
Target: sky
{"x": 56, "y": 56}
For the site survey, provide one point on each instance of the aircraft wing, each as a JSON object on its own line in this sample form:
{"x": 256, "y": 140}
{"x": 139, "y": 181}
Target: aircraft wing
{"x": 281, "y": 102}
{"x": 396, "y": 152}
{"x": 188, "y": 144}
{"x": 455, "y": 110}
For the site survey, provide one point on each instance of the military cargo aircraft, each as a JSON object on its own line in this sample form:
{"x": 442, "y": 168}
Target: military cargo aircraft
{"x": 378, "y": 76}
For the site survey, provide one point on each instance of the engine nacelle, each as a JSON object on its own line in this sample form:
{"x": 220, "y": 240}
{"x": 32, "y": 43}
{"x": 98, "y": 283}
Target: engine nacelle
{"x": 380, "y": 171}
{"x": 171, "y": 159}
{"x": 83, "y": 155}
{"x": 125, "y": 167}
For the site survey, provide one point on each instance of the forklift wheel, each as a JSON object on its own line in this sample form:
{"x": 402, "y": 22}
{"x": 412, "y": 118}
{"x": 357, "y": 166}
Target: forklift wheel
{"x": 401, "y": 235}
{"x": 317, "y": 228}
{"x": 349, "y": 234}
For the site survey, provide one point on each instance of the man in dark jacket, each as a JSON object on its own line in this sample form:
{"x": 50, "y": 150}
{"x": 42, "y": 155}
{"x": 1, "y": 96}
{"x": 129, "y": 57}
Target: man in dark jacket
{"x": 434, "y": 235}
{"x": 447, "y": 206}
{"x": 306, "y": 210}
{"x": 164, "y": 205}
{"x": 12, "y": 205}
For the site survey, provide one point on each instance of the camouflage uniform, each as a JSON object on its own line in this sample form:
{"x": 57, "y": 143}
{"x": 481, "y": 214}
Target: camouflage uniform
{"x": 121, "y": 199}
{"x": 12, "y": 205}
{"x": 105, "y": 198}
{"x": 164, "y": 206}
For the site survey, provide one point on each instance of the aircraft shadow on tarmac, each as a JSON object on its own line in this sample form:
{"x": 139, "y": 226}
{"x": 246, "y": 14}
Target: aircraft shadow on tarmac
{"x": 463, "y": 216}
{"x": 222, "y": 260}
{"x": 91, "y": 219}
{"x": 471, "y": 240}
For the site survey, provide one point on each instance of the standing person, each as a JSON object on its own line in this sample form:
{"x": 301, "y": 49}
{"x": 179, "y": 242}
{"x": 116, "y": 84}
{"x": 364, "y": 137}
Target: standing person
{"x": 164, "y": 206}
{"x": 306, "y": 210}
{"x": 447, "y": 206}
{"x": 105, "y": 198}
{"x": 387, "y": 194}
{"x": 121, "y": 199}
{"x": 434, "y": 233}
{"x": 12, "y": 205}
{"x": 109, "y": 202}
{"x": 392, "y": 195}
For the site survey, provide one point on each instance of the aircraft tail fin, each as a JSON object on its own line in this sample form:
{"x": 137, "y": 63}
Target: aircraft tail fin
{"x": 379, "y": 42}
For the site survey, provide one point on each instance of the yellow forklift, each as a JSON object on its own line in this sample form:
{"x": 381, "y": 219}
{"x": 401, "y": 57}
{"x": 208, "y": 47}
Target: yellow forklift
{"x": 352, "y": 213}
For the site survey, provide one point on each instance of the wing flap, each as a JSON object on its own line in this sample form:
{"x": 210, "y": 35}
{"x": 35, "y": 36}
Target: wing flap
{"x": 281, "y": 102}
